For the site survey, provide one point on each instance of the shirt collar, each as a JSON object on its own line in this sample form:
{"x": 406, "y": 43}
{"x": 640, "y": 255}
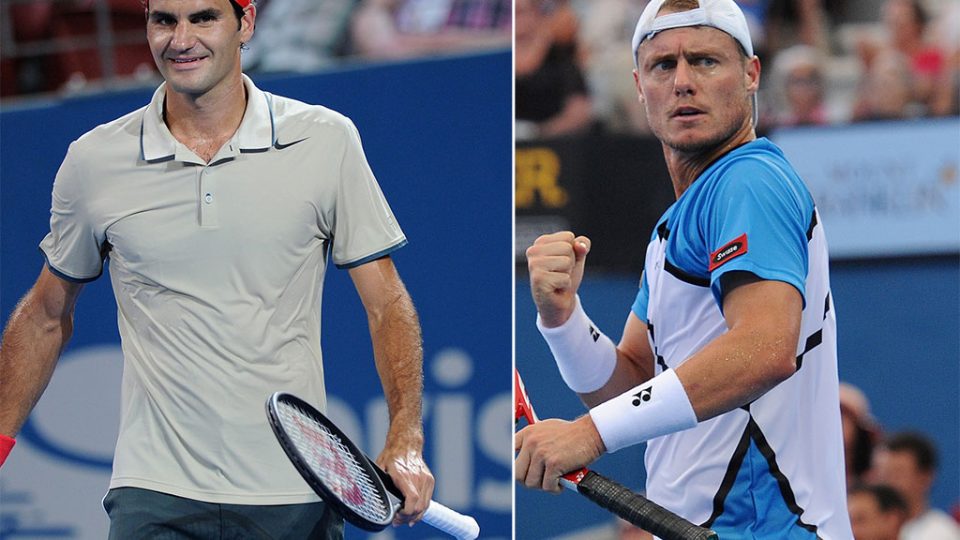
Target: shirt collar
{"x": 256, "y": 131}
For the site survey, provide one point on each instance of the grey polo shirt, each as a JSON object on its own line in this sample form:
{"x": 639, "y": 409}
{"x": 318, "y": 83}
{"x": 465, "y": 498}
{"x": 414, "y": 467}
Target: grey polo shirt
{"x": 218, "y": 274}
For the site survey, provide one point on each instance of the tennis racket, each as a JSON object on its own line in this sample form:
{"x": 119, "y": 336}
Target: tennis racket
{"x": 343, "y": 476}
{"x": 612, "y": 495}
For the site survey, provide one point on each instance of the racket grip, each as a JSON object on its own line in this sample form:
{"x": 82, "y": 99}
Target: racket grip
{"x": 451, "y": 522}
{"x": 640, "y": 511}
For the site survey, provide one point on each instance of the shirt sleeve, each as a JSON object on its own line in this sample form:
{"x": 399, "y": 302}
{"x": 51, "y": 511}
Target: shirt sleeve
{"x": 76, "y": 245}
{"x": 639, "y": 307}
{"x": 756, "y": 222}
{"x": 365, "y": 228}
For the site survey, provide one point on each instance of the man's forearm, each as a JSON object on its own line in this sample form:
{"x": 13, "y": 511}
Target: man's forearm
{"x": 31, "y": 345}
{"x": 628, "y": 373}
{"x": 398, "y": 351}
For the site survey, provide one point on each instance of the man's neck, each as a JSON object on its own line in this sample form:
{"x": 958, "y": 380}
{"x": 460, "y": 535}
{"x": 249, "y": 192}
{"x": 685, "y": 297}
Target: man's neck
{"x": 203, "y": 123}
{"x": 686, "y": 167}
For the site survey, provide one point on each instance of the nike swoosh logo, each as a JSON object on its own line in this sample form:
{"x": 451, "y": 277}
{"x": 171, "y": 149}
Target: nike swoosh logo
{"x": 280, "y": 146}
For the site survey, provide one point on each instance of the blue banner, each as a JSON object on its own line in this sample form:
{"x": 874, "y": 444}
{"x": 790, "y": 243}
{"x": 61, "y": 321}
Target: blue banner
{"x": 883, "y": 188}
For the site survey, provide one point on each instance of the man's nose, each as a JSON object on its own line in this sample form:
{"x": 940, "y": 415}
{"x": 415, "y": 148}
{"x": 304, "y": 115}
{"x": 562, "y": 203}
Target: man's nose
{"x": 184, "y": 37}
{"x": 683, "y": 79}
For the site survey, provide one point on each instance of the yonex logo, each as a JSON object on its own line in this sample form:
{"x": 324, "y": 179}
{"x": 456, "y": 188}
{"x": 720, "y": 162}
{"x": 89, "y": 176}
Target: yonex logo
{"x": 642, "y": 396}
{"x": 594, "y": 333}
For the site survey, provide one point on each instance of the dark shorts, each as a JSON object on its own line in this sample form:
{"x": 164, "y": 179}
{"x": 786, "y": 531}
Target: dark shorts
{"x": 142, "y": 513}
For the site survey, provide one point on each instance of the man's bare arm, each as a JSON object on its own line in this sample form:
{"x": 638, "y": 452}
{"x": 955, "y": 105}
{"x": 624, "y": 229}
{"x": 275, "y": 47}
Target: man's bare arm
{"x": 398, "y": 353}
{"x": 35, "y": 335}
{"x": 754, "y": 355}
{"x": 634, "y": 363}
{"x": 757, "y": 352}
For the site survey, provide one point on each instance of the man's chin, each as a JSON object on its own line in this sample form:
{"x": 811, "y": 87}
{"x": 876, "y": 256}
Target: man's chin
{"x": 186, "y": 88}
{"x": 693, "y": 144}
{"x": 184, "y": 83}
{"x": 697, "y": 142}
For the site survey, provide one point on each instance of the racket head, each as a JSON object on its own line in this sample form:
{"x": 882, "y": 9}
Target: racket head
{"x": 331, "y": 464}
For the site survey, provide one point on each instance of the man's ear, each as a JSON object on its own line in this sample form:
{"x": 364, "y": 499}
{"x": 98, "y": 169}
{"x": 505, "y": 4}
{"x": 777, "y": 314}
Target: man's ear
{"x": 247, "y": 23}
{"x": 752, "y": 74}
{"x": 636, "y": 82}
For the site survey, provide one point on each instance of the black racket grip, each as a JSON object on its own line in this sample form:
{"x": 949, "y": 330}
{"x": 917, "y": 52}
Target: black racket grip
{"x": 640, "y": 511}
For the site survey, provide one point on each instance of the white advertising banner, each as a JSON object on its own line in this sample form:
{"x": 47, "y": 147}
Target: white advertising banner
{"x": 885, "y": 188}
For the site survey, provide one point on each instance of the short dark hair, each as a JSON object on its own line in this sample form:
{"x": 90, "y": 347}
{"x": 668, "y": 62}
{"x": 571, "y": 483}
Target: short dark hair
{"x": 920, "y": 446}
{"x": 919, "y": 13}
{"x": 888, "y": 499}
{"x": 862, "y": 451}
{"x": 237, "y": 10}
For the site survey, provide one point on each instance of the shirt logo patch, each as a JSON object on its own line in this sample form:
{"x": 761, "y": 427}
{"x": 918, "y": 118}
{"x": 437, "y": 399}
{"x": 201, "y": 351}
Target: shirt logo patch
{"x": 730, "y": 251}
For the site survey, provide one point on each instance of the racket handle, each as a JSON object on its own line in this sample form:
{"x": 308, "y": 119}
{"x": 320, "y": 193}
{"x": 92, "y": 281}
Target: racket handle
{"x": 640, "y": 511}
{"x": 451, "y": 522}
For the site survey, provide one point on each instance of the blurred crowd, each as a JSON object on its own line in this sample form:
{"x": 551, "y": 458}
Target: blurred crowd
{"x": 889, "y": 478}
{"x": 823, "y": 62}
{"x": 69, "y": 45}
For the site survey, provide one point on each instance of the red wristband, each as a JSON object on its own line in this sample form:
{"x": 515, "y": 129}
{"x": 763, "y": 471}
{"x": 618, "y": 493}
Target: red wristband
{"x": 6, "y": 444}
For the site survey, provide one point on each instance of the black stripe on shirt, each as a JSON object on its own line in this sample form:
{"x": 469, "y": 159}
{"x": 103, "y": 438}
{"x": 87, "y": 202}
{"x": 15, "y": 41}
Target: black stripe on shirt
{"x": 683, "y": 276}
{"x": 785, "y": 490}
{"x": 813, "y": 224}
{"x": 815, "y": 339}
{"x": 753, "y": 433}
{"x": 662, "y": 231}
{"x": 736, "y": 461}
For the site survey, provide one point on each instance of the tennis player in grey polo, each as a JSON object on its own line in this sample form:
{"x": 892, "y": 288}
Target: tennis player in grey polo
{"x": 218, "y": 206}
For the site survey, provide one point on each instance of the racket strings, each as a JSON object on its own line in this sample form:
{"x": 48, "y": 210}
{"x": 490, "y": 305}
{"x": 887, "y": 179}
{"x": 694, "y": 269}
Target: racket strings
{"x": 335, "y": 464}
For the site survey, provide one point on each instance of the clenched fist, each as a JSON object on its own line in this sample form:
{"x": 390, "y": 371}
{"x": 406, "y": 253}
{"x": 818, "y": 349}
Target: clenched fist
{"x": 555, "y": 262}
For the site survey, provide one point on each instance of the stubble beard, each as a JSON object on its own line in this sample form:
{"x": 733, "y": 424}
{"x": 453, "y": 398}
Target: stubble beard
{"x": 701, "y": 145}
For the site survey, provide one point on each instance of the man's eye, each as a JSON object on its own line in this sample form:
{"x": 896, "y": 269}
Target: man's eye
{"x": 664, "y": 65}
{"x": 706, "y": 61}
{"x": 200, "y": 19}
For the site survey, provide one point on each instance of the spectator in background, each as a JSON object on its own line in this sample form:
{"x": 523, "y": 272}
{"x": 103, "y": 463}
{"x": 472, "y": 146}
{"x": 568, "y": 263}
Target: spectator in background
{"x": 799, "y": 88}
{"x": 860, "y": 433}
{"x": 298, "y": 35}
{"x": 945, "y": 100}
{"x": 908, "y": 463}
{"x": 877, "y": 512}
{"x": 792, "y": 22}
{"x": 564, "y": 24}
{"x": 551, "y": 93}
{"x": 388, "y": 29}
{"x": 905, "y": 24}
{"x": 606, "y": 25}
{"x": 29, "y": 22}
{"x": 885, "y": 91}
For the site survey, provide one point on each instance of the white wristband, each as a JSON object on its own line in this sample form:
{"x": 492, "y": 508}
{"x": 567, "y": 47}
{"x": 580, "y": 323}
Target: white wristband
{"x": 654, "y": 408}
{"x": 585, "y": 356}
